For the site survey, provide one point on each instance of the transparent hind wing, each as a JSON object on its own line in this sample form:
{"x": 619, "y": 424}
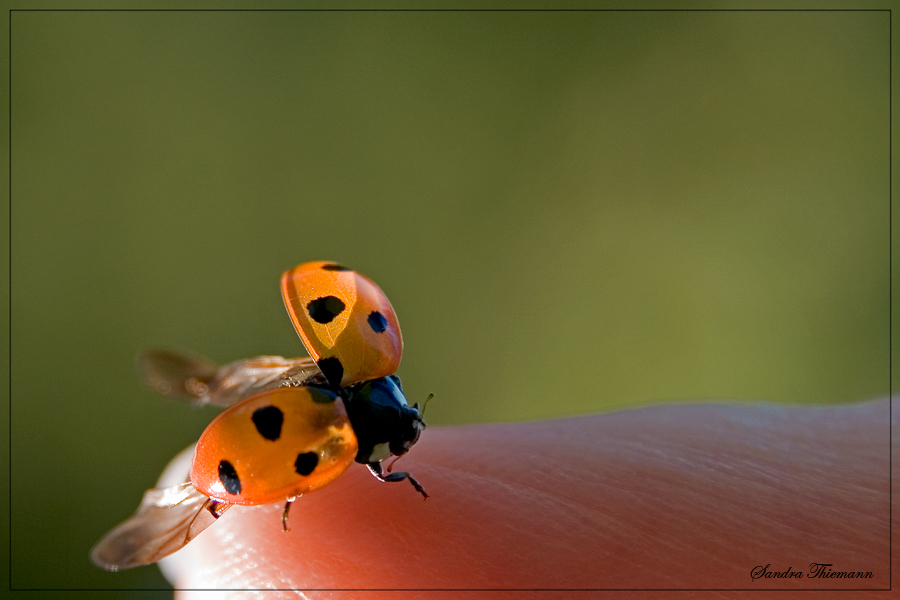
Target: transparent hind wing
{"x": 196, "y": 378}
{"x": 166, "y": 520}
{"x": 176, "y": 374}
{"x": 243, "y": 378}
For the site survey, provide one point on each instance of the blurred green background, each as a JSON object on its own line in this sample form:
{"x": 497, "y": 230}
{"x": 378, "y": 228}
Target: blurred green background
{"x": 570, "y": 212}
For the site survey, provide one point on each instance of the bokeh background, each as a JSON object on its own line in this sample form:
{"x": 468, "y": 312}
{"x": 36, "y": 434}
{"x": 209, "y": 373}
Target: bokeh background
{"x": 570, "y": 212}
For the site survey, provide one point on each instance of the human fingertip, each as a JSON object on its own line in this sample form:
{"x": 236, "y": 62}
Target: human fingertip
{"x": 643, "y": 494}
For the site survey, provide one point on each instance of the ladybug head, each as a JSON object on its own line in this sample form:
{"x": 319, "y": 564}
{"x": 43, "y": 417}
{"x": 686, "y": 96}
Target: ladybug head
{"x": 384, "y": 422}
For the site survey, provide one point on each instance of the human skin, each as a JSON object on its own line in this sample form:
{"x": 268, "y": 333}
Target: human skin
{"x": 674, "y": 497}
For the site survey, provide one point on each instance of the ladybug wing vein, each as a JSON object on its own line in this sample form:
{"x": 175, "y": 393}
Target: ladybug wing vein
{"x": 166, "y": 520}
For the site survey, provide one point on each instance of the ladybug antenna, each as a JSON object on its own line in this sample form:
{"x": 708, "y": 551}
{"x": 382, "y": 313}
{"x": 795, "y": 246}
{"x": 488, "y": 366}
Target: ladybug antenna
{"x": 424, "y": 404}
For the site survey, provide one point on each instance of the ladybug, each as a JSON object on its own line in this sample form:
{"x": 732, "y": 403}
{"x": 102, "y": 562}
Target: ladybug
{"x": 290, "y": 426}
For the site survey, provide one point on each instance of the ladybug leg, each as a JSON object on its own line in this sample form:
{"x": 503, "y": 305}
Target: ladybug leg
{"x": 216, "y": 508}
{"x": 376, "y": 470}
{"x": 284, "y": 515}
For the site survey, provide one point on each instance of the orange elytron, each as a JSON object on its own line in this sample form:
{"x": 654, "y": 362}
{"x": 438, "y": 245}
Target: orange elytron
{"x": 275, "y": 445}
{"x": 345, "y": 321}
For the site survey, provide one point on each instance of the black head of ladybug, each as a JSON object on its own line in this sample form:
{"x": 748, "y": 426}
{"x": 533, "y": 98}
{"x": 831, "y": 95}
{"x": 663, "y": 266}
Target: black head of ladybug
{"x": 384, "y": 422}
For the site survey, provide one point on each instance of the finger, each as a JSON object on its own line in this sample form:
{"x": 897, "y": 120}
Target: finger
{"x": 669, "y": 497}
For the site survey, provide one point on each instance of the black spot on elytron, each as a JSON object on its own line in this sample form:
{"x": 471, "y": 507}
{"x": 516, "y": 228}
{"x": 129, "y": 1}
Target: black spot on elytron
{"x": 320, "y": 396}
{"x": 228, "y": 477}
{"x": 332, "y": 369}
{"x": 334, "y": 267}
{"x": 268, "y": 420}
{"x": 306, "y": 463}
{"x": 377, "y": 322}
{"x": 324, "y": 310}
